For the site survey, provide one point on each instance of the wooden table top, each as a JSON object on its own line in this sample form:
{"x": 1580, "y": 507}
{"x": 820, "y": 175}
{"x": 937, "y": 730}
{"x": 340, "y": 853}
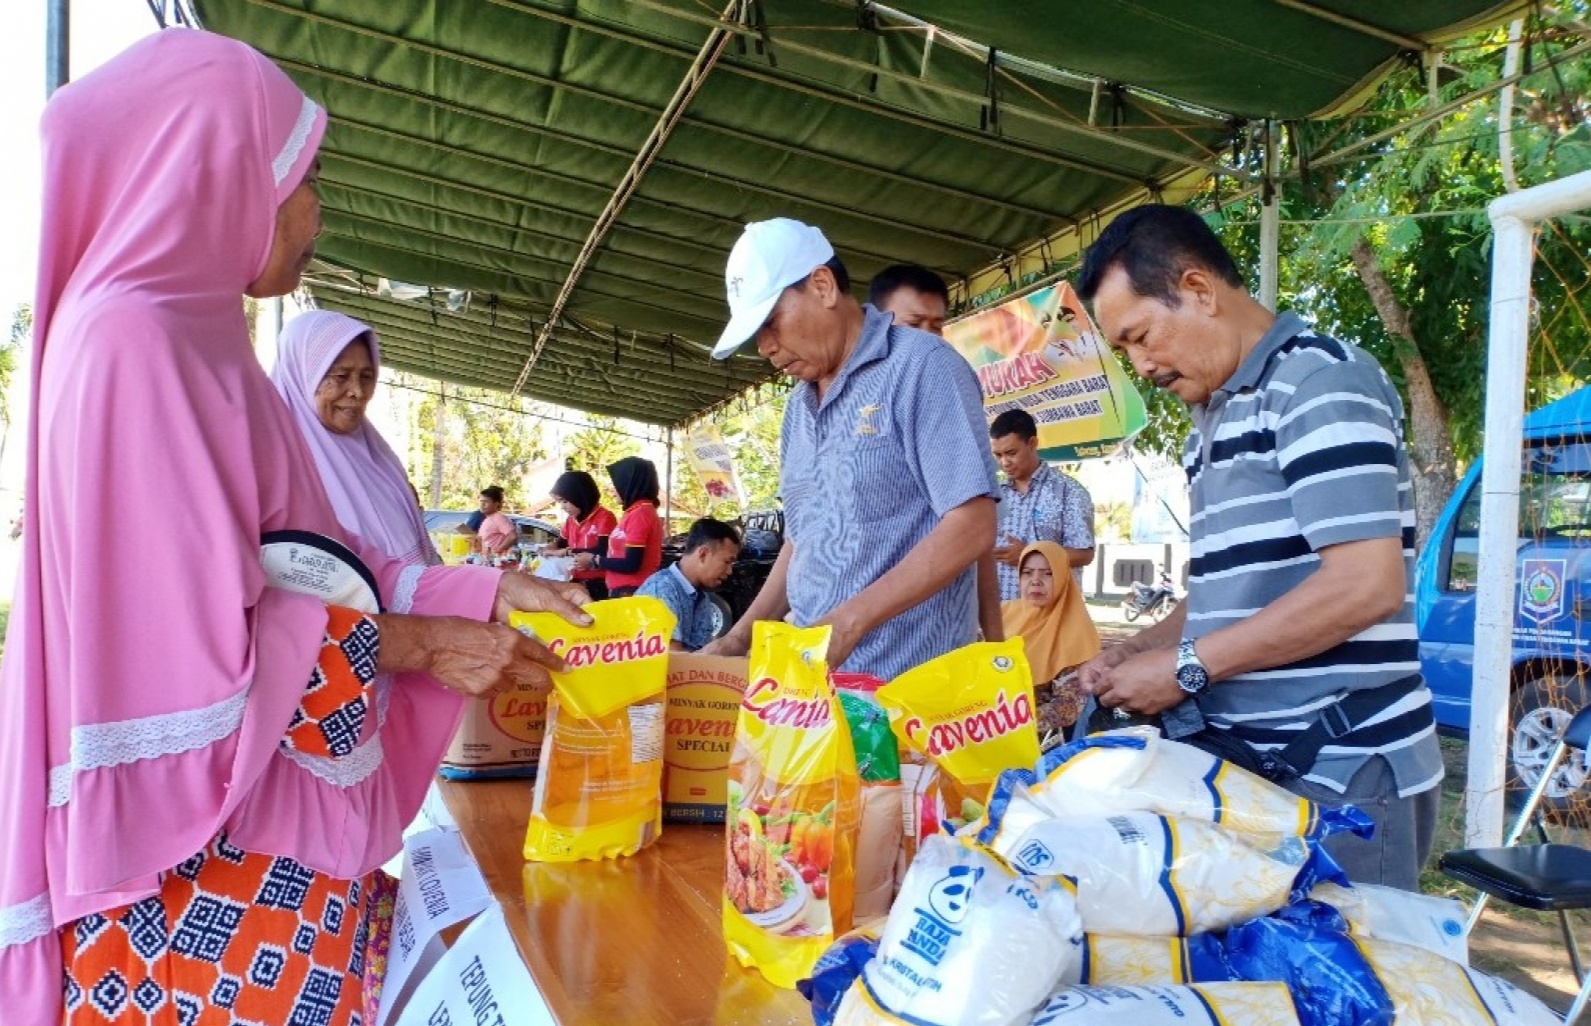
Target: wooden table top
{"x": 622, "y": 942}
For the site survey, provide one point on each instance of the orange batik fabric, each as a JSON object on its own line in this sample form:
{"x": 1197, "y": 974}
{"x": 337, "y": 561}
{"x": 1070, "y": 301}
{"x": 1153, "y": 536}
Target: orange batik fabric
{"x": 237, "y": 937}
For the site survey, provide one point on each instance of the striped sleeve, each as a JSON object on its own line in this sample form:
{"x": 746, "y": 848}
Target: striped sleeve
{"x": 1338, "y": 445}
{"x": 946, "y": 443}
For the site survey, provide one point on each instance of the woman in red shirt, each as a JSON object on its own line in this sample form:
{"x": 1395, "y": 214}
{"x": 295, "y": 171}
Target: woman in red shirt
{"x": 635, "y": 547}
{"x": 588, "y": 527}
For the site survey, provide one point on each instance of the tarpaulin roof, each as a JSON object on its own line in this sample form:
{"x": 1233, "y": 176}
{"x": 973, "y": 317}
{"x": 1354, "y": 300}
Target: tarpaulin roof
{"x": 588, "y": 163}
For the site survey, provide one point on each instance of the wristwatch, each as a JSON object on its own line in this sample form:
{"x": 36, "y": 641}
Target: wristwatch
{"x": 1192, "y": 676}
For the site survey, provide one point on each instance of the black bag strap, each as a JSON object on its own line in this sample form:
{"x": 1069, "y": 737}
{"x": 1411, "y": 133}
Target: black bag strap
{"x": 1340, "y": 719}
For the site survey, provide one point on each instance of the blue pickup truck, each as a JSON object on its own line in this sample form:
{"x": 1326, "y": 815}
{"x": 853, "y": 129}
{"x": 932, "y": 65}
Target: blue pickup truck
{"x": 1552, "y": 604}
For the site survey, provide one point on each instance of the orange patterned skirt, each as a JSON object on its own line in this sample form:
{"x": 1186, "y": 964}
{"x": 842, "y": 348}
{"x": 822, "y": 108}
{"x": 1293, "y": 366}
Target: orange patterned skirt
{"x": 237, "y": 937}
{"x": 232, "y": 937}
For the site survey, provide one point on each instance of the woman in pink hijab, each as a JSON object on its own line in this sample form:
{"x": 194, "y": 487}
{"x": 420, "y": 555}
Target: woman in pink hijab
{"x": 326, "y": 369}
{"x": 198, "y": 769}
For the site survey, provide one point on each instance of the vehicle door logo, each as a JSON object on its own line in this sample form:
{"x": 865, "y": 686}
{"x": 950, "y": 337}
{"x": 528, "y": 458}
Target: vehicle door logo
{"x": 1541, "y": 589}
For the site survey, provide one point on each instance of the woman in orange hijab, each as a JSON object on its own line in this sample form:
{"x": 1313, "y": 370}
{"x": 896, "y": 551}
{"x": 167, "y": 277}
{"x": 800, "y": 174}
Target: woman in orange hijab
{"x": 1057, "y": 633}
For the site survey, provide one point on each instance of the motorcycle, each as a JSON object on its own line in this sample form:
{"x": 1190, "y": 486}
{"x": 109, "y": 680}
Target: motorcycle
{"x": 1158, "y": 601}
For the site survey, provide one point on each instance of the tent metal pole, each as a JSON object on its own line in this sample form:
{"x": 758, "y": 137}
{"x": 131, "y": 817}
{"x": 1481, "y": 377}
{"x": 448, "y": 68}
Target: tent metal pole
{"x": 668, "y": 486}
{"x": 706, "y": 59}
{"x": 1514, "y": 217}
{"x": 57, "y": 45}
{"x": 1270, "y": 222}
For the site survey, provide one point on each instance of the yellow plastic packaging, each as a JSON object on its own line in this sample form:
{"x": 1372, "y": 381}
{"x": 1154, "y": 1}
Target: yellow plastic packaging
{"x": 621, "y": 659}
{"x": 970, "y": 711}
{"x": 794, "y": 809}
{"x": 599, "y": 787}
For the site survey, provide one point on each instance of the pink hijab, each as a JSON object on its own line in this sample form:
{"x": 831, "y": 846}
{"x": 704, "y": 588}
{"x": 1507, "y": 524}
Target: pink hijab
{"x": 364, "y": 478}
{"x": 149, "y": 673}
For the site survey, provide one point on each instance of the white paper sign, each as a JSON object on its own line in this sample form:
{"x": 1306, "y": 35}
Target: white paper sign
{"x": 479, "y": 982}
{"x": 440, "y": 886}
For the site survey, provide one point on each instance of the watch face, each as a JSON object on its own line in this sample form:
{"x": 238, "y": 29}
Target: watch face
{"x": 1193, "y": 678}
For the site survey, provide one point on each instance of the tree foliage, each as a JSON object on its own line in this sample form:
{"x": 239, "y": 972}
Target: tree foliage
{"x": 594, "y": 448}
{"x": 10, "y": 356}
{"x": 1414, "y": 202}
{"x": 487, "y": 439}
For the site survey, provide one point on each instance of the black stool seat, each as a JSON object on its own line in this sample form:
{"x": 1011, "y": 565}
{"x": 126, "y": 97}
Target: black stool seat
{"x": 1546, "y": 877}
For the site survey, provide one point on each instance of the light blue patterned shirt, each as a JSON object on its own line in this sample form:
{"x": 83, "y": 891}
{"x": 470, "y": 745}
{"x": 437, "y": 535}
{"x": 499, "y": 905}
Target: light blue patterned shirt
{"x": 1054, "y": 508}
{"x": 898, "y": 441}
{"x": 692, "y": 611}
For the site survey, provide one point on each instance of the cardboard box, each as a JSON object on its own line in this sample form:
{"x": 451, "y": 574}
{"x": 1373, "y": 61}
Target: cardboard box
{"x": 499, "y": 738}
{"x": 704, "y": 695}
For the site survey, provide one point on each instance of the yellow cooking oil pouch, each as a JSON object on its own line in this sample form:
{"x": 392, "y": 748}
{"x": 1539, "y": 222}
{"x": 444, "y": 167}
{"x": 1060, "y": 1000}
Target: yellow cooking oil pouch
{"x": 599, "y": 786}
{"x": 970, "y": 711}
{"x": 794, "y": 809}
{"x": 621, "y": 659}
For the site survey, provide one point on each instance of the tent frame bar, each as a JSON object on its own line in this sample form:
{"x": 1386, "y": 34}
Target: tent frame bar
{"x": 690, "y": 85}
{"x": 1364, "y": 28}
{"x": 57, "y": 45}
{"x": 684, "y": 169}
{"x": 1047, "y": 120}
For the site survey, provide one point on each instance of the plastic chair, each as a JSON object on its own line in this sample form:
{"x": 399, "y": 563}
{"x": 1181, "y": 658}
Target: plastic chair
{"x": 1547, "y": 877}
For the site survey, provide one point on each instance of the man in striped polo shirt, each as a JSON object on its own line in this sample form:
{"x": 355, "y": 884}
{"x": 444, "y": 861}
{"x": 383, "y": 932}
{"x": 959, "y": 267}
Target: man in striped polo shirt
{"x": 1297, "y": 637}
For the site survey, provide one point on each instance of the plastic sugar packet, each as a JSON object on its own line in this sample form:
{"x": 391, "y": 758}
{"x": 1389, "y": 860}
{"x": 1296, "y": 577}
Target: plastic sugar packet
{"x": 1205, "y": 1004}
{"x": 969, "y": 942}
{"x": 1137, "y": 770}
{"x": 1386, "y": 913}
{"x": 1146, "y": 875}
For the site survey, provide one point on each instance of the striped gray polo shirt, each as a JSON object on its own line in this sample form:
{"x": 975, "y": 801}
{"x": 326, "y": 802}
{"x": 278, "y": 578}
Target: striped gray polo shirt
{"x": 898, "y": 441}
{"x": 1301, "y": 449}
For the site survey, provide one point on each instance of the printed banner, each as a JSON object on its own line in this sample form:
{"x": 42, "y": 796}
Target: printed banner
{"x": 714, "y": 464}
{"x": 1041, "y": 353}
{"x": 480, "y": 982}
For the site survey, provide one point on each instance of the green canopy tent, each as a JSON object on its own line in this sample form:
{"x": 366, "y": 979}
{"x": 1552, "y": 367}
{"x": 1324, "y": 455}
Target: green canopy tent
{"x": 538, "y": 197}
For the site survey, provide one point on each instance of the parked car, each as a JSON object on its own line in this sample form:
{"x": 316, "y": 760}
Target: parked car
{"x": 532, "y": 530}
{"x": 1552, "y": 601}
{"x": 762, "y": 535}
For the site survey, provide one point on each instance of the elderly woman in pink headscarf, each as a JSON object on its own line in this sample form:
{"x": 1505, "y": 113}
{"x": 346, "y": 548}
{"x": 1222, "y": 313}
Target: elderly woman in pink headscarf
{"x": 326, "y": 368}
{"x": 200, "y": 765}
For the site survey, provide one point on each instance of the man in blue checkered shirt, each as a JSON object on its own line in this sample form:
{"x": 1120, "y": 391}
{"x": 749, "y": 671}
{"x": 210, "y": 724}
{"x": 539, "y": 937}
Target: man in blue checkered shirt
{"x": 711, "y": 549}
{"x": 1037, "y": 502}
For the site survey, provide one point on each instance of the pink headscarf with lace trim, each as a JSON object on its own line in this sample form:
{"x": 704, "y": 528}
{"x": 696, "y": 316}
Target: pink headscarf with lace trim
{"x": 363, "y": 476}
{"x": 149, "y": 673}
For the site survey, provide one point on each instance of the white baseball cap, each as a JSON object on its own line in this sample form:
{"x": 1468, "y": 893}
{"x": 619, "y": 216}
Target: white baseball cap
{"x": 769, "y": 257}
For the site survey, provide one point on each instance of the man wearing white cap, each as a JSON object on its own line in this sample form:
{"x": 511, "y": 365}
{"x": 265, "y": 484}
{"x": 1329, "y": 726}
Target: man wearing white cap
{"x": 889, "y": 492}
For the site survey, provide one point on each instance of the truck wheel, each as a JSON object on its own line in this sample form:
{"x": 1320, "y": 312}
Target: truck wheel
{"x": 1539, "y": 710}
{"x": 723, "y": 618}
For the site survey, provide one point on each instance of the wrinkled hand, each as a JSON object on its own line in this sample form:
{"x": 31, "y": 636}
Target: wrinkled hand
{"x": 473, "y": 658}
{"x": 732, "y": 644}
{"x": 1144, "y": 684}
{"x": 1093, "y": 673}
{"x": 520, "y": 592}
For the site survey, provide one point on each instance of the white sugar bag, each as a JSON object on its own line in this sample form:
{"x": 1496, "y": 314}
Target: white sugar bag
{"x": 968, "y": 943}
